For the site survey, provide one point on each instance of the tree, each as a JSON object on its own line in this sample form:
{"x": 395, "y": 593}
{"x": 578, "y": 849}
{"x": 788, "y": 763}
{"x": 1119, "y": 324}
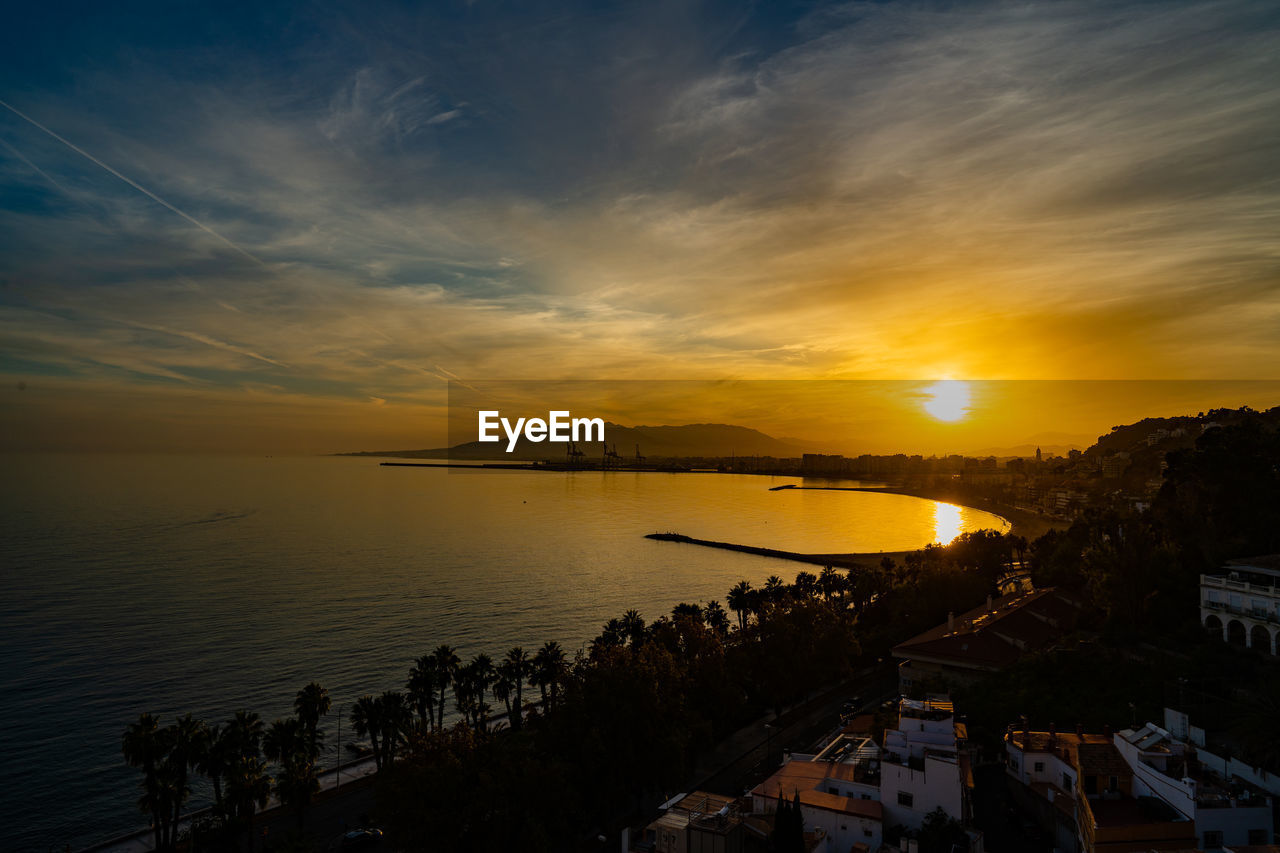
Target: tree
{"x": 366, "y": 719}
{"x": 519, "y": 666}
{"x": 716, "y": 617}
{"x": 287, "y": 742}
{"x": 211, "y": 759}
{"x": 941, "y": 833}
{"x": 188, "y": 735}
{"x": 549, "y": 669}
{"x": 739, "y": 599}
{"x": 312, "y": 703}
{"x": 248, "y": 789}
{"x": 503, "y": 684}
{"x": 421, "y": 688}
{"x": 633, "y": 627}
{"x": 144, "y": 747}
{"x": 446, "y": 663}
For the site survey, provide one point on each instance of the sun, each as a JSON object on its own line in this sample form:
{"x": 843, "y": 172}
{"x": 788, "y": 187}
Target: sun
{"x": 948, "y": 400}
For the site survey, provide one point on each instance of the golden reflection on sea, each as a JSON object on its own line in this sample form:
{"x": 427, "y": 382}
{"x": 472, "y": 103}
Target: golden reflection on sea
{"x": 946, "y": 522}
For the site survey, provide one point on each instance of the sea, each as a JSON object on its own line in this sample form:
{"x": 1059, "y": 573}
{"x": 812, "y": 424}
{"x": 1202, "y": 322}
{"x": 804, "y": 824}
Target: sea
{"x": 207, "y": 584}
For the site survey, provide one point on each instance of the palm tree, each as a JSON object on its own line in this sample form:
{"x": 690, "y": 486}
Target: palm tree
{"x": 633, "y": 627}
{"x": 740, "y": 601}
{"x": 244, "y": 734}
{"x": 692, "y": 612}
{"x": 188, "y": 734}
{"x": 503, "y": 685}
{"x": 548, "y": 670}
{"x": 287, "y": 742}
{"x": 447, "y": 662}
{"x": 828, "y": 582}
{"x": 520, "y": 666}
{"x": 612, "y": 635}
{"x": 248, "y": 788}
{"x": 396, "y": 718}
{"x": 144, "y": 747}
{"x": 806, "y": 585}
{"x": 774, "y": 589}
{"x": 366, "y": 719}
{"x": 716, "y": 618}
{"x": 421, "y": 687}
{"x": 475, "y": 678}
{"x": 312, "y": 703}
{"x": 211, "y": 759}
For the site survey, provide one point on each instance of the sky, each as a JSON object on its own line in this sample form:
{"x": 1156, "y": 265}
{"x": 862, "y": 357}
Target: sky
{"x": 285, "y": 227}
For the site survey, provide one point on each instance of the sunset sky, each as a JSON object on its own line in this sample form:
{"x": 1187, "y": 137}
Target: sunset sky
{"x": 285, "y": 227}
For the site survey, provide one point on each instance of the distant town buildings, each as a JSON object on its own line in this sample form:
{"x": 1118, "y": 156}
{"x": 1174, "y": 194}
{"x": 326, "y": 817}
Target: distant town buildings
{"x": 1153, "y": 788}
{"x": 1243, "y": 603}
{"x": 986, "y": 639}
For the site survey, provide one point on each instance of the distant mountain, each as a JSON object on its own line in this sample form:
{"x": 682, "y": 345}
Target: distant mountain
{"x": 655, "y": 442}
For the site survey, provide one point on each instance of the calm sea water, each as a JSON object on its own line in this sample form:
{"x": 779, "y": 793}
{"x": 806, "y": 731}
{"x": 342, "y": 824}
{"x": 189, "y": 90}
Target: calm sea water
{"x": 207, "y": 584}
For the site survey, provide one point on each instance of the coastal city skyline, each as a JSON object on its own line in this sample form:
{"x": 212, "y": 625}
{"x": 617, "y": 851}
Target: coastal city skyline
{"x": 282, "y": 230}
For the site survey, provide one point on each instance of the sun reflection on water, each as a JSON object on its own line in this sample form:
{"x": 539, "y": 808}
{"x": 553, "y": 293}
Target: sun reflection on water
{"x": 946, "y": 522}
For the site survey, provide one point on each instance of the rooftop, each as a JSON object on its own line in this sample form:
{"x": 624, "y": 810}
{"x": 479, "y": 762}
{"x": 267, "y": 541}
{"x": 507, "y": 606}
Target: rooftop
{"x": 996, "y": 635}
{"x": 809, "y": 779}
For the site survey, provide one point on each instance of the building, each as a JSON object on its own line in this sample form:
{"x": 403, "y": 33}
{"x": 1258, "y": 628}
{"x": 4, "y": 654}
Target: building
{"x": 1148, "y": 788}
{"x": 1085, "y": 787}
{"x": 698, "y": 823}
{"x": 924, "y": 765}
{"x": 1243, "y": 603}
{"x": 838, "y": 791}
{"x": 854, "y": 789}
{"x": 984, "y": 640}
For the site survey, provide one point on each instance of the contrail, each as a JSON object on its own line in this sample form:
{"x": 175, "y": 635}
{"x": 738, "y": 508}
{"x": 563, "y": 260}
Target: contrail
{"x": 41, "y": 172}
{"x": 148, "y": 193}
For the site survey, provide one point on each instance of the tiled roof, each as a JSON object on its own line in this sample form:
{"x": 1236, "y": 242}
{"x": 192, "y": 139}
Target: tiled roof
{"x": 809, "y": 778}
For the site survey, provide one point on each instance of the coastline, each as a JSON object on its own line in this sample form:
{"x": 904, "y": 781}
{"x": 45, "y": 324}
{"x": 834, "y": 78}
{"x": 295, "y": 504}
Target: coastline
{"x": 1023, "y": 523}
{"x": 1028, "y": 525}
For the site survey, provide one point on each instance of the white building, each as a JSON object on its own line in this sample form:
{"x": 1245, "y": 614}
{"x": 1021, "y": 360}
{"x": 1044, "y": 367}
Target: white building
{"x": 1228, "y": 811}
{"x": 853, "y": 789}
{"x": 1087, "y": 783}
{"x": 1243, "y": 602}
{"x": 921, "y": 766}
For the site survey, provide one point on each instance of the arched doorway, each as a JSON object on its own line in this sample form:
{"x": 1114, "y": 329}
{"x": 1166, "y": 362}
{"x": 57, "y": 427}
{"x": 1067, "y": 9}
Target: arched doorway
{"x": 1260, "y": 639}
{"x": 1213, "y": 625}
{"x": 1235, "y": 633}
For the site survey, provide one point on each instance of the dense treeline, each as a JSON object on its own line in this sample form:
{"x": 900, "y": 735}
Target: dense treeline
{"x": 1138, "y": 574}
{"x": 234, "y": 756}
{"x": 1140, "y": 570}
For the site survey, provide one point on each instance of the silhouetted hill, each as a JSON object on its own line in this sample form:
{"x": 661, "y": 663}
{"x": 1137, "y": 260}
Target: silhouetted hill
{"x": 655, "y": 442}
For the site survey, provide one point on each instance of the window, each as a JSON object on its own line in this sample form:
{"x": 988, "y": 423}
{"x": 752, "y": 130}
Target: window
{"x": 1212, "y": 839}
{"x": 1066, "y": 781}
{"x": 1091, "y": 784}
{"x": 905, "y": 799}
{"x": 866, "y": 833}
{"x": 1039, "y": 766}
{"x": 1113, "y": 784}
{"x": 866, "y": 796}
{"x": 832, "y": 789}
